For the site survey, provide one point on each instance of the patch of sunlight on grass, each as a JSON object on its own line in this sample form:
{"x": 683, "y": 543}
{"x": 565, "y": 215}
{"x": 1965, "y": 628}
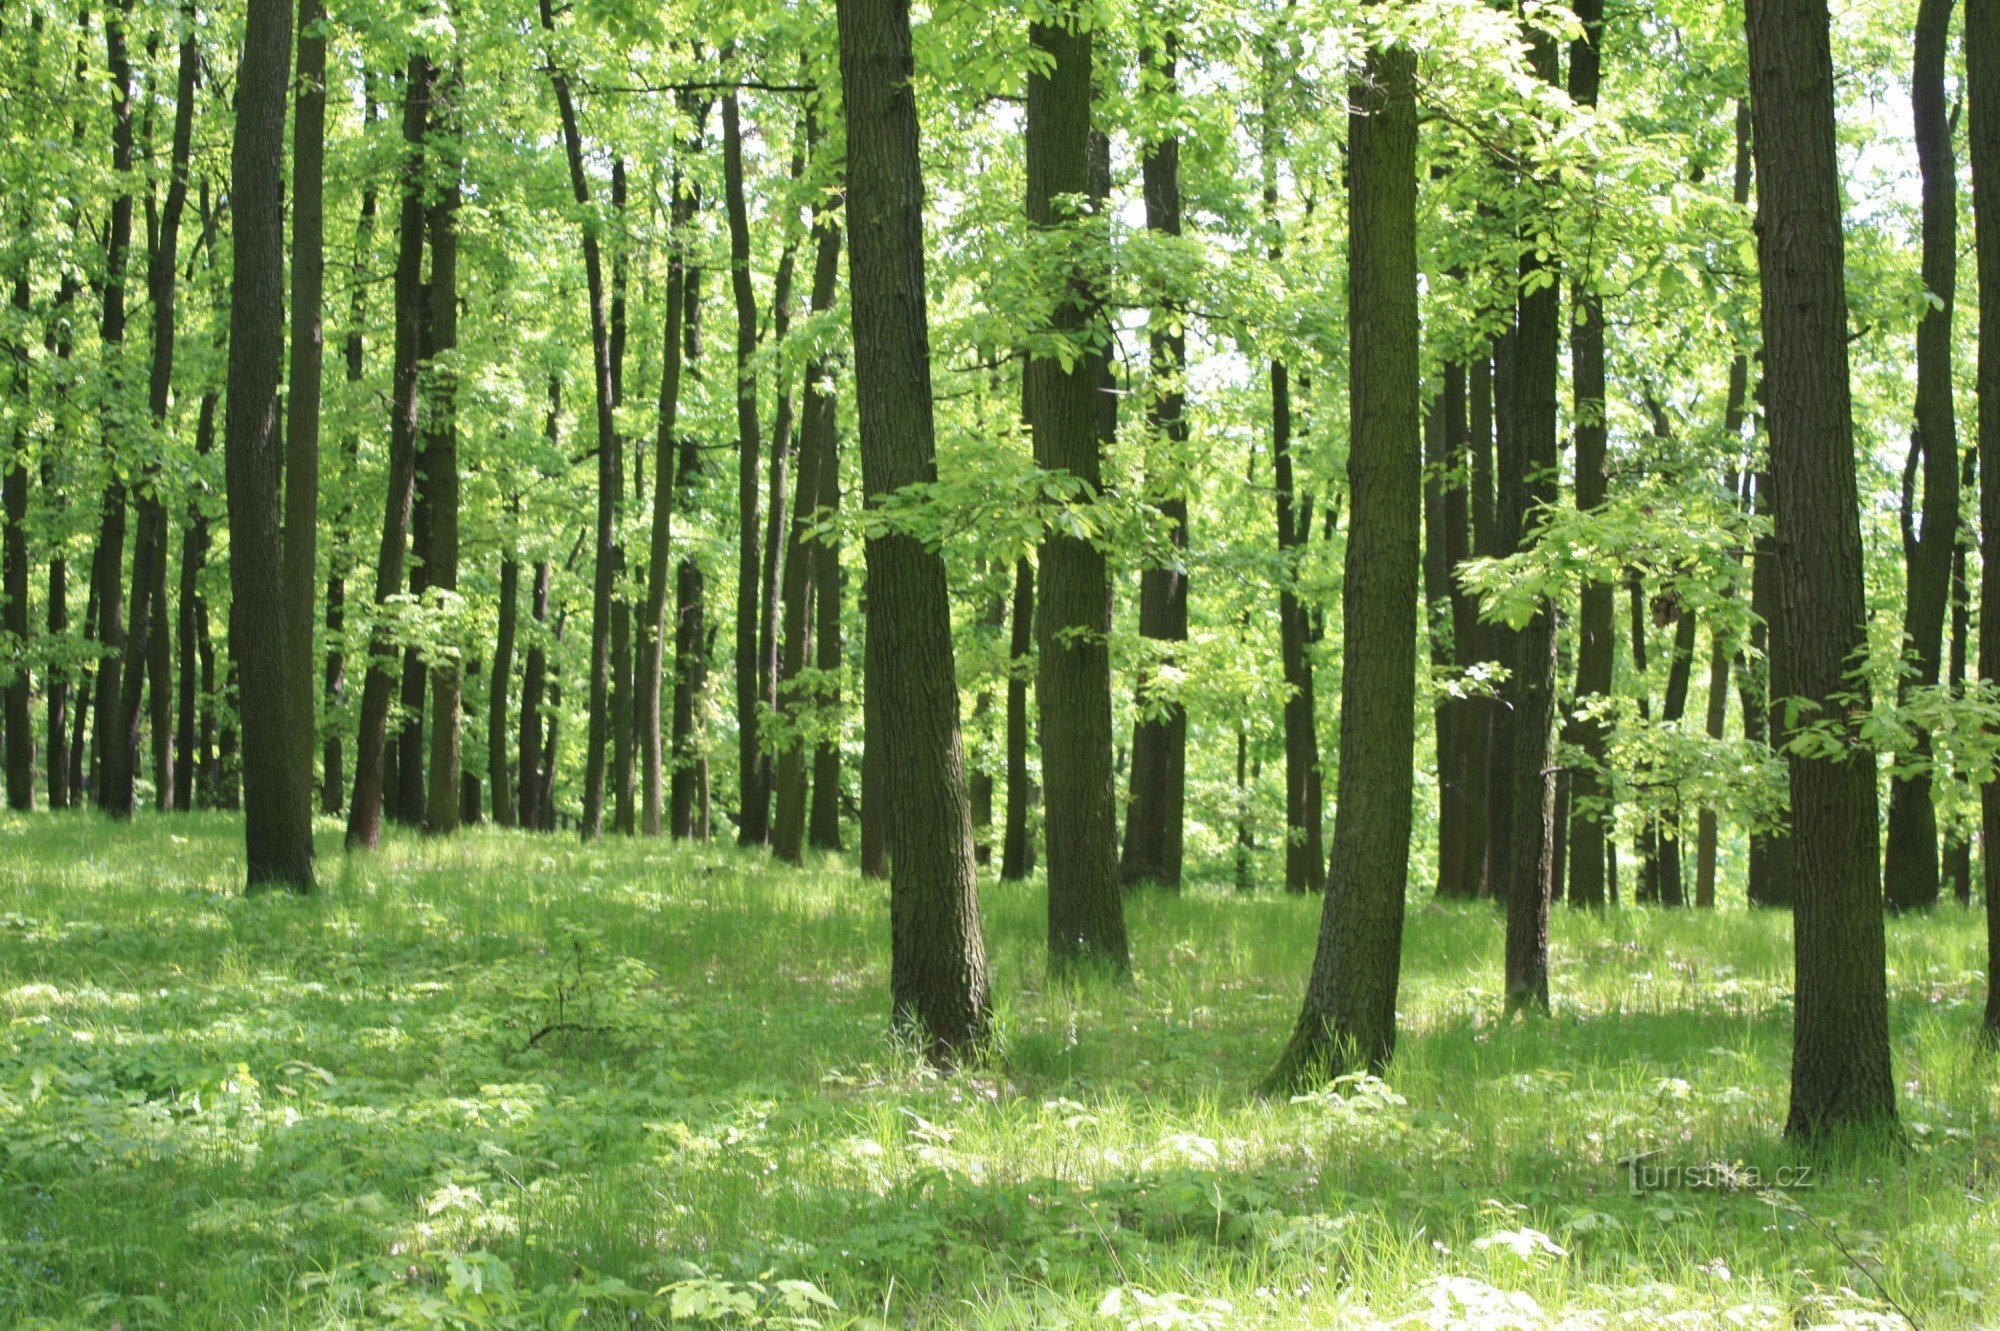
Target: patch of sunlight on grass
{"x": 514, "y": 1081}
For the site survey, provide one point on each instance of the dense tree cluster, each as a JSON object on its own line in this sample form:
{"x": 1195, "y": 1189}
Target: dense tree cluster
{"x": 987, "y": 441}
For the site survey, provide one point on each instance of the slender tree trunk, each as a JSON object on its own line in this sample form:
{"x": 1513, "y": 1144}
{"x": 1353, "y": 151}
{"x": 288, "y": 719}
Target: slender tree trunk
{"x": 1154, "y": 818}
{"x": 1769, "y": 878}
{"x": 659, "y": 556}
{"x": 1530, "y": 878}
{"x": 816, "y": 435}
{"x": 111, "y": 753}
{"x": 1680, "y": 669}
{"x": 1955, "y": 871}
{"x": 444, "y": 801}
{"x": 1349, "y": 1016}
{"x": 827, "y": 648}
{"x": 1589, "y": 792}
{"x": 534, "y": 676}
{"x": 1017, "y": 854}
{"x": 1840, "y": 1031}
{"x": 1503, "y": 643}
{"x": 938, "y": 975}
{"x": 1715, "y": 721}
{"x": 194, "y": 697}
{"x": 1086, "y": 917}
{"x": 874, "y": 775}
{"x": 1910, "y": 864}
{"x": 20, "y": 739}
{"x": 498, "y": 773}
{"x": 753, "y": 810}
{"x": 407, "y": 791}
{"x": 278, "y": 821}
{"x": 364, "y": 810}
{"x": 1461, "y": 760}
{"x": 603, "y": 584}
{"x": 688, "y": 786}
{"x": 624, "y": 819}
{"x": 1982, "y": 69}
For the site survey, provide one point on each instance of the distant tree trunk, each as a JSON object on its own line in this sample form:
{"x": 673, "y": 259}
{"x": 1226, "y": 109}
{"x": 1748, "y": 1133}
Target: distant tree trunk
{"x": 1589, "y": 793}
{"x": 1910, "y": 865}
{"x": 1349, "y": 1016}
{"x": 659, "y": 555}
{"x": 1955, "y": 871}
{"x": 1154, "y": 817}
{"x": 301, "y": 474}
{"x": 827, "y": 649}
{"x": 624, "y": 820}
{"x": 1769, "y": 880}
{"x": 444, "y": 802}
{"x": 1840, "y": 1033}
{"x": 278, "y": 809}
{"x": 688, "y": 787}
{"x": 407, "y": 790}
{"x": 194, "y": 696}
{"x": 1017, "y": 853}
{"x": 1476, "y": 645}
{"x": 1461, "y": 757}
{"x": 753, "y": 810}
{"x": 498, "y": 775}
{"x": 816, "y": 435}
{"x": 111, "y": 750}
{"x": 938, "y": 975}
{"x": 1715, "y": 721}
{"x": 61, "y": 341}
{"x": 1532, "y": 866}
{"x": 20, "y": 740}
{"x": 1086, "y": 917}
{"x": 1680, "y": 669}
{"x": 1982, "y": 70}
{"x": 609, "y": 473}
{"x": 364, "y": 810}
{"x": 534, "y": 675}
{"x": 1503, "y": 643}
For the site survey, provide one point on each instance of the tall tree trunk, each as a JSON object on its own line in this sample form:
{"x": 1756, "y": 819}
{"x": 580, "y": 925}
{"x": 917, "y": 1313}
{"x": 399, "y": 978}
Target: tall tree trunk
{"x": 364, "y": 810}
{"x": 444, "y": 803}
{"x": 1350, "y": 1008}
{"x": 194, "y": 697}
{"x": 1086, "y": 915}
{"x": 653, "y": 619}
{"x": 20, "y": 741}
{"x": 110, "y": 750}
{"x": 302, "y": 471}
{"x": 1503, "y": 643}
{"x": 1017, "y": 852}
{"x": 1910, "y": 864}
{"x": 753, "y": 809}
{"x": 1680, "y": 670}
{"x": 623, "y": 812}
{"x": 1982, "y": 76}
{"x": 816, "y": 436}
{"x": 1955, "y": 868}
{"x": 498, "y": 771}
{"x": 1589, "y": 792}
{"x": 1840, "y": 1031}
{"x": 938, "y": 975}
{"x": 874, "y": 772}
{"x": 1721, "y": 652}
{"x": 687, "y": 790}
{"x": 407, "y": 791}
{"x": 827, "y": 649}
{"x": 1462, "y": 760}
{"x": 1154, "y": 818}
{"x": 1769, "y": 879}
{"x": 1530, "y": 878}
{"x": 333, "y": 766}
{"x": 278, "y": 821}
{"x": 603, "y": 584}
{"x": 534, "y": 675}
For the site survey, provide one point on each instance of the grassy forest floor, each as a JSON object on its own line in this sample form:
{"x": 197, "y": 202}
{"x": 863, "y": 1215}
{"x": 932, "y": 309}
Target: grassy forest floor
{"x": 518, "y": 1082}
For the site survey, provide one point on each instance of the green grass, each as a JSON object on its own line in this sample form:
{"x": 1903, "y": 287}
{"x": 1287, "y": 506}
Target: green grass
{"x": 219, "y": 1112}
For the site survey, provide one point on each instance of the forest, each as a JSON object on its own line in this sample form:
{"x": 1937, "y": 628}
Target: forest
{"x": 1127, "y": 663}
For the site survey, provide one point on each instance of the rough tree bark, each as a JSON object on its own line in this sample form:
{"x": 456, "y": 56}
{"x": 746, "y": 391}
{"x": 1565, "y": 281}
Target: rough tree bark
{"x": 1840, "y": 1032}
{"x": 442, "y": 805}
{"x": 938, "y": 974}
{"x": 1982, "y": 68}
{"x": 277, "y": 801}
{"x": 1349, "y": 1017}
{"x": 1073, "y": 623}
{"x": 364, "y": 809}
{"x": 1910, "y": 860}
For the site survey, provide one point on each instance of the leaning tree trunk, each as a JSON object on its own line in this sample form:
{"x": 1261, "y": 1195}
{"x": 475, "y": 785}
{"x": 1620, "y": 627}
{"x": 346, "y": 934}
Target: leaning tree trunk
{"x": 1840, "y": 1030}
{"x": 277, "y": 808}
{"x": 364, "y": 810}
{"x": 1154, "y": 818}
{"x": 1910, "y": 864}
{"x": 938, "y": 975}
{"x": 1982, "y": 68}
{"x": 1073, "y": 621}
{"x": 1350, "y": 1008}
